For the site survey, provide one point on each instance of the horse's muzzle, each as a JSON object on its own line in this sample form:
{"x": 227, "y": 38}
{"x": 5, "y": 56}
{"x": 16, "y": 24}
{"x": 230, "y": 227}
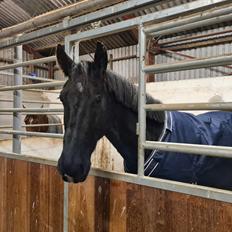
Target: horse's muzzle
{"x": 79, "y": 175}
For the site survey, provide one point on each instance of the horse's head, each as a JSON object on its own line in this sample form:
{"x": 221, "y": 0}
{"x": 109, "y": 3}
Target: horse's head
{"x": 84, "y": 100}
{"x": 32, "y": 119}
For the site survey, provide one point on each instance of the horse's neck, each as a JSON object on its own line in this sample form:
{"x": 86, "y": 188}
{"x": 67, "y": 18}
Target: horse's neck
{"x": 122, "y": 131}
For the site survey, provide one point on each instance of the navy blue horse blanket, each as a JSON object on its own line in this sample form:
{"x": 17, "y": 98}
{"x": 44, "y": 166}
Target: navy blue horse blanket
{"x": 213, "y": 128}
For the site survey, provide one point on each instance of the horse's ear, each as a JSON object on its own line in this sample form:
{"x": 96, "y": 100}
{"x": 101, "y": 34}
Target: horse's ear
{"x": 42, "y": 106}
{"x": 64, "y": 61}
{"x": 24, "y": 106}
{"x": 100, "y": 57}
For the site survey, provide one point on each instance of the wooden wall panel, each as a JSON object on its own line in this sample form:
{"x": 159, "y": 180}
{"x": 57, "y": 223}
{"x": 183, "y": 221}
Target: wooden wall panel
{"x": 142, "y": 209}
{"x": 81, "y": 213}
{"x": 31, "y": 197}
{"x": 3, "y": 194}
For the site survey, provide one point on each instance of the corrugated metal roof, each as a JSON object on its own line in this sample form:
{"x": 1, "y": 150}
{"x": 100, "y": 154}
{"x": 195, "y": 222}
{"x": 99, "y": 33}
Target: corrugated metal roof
{"x": 16, "y": 11}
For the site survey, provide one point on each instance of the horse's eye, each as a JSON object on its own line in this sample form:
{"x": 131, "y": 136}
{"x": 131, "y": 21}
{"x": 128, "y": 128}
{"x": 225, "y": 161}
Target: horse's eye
{"x": 98, "y": 98}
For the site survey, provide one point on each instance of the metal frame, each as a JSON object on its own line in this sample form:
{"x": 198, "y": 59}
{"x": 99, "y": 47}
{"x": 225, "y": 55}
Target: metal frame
{"x": 144, "y": 30}
{"x": 31, "y": 101}
{"x": 17, "y": 96}
{"x": 29, "y": 77}
{"x": 111, "y": 11}
{"x": 140, "y": 23}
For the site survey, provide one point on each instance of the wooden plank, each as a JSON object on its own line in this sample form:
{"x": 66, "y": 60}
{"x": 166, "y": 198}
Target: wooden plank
{"x": 134, "y": 213}
{"x": 82, "y": 206}
{"x": 3, "y": 194}
{"x": 17, "y": 216}
{"x": 102, "y": 204}
{"x": 139, "y": 208}
{"x": 118, "y": 206}
{"x": 39, "y": 200}
{"x": 56, "y": 200}
{"x": 31, "y": 197}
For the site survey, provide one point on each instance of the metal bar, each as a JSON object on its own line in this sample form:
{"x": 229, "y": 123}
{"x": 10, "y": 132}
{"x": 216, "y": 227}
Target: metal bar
{"x": 225, "y": 106}
{"x": 28, "y": 110}
{"x": 34, "y": 113}
{"x": 142, "y": 102}
{"x": 34, "y": 86}
{"x": 29, "y": 62}
{"x": 68, "y": 50}
{"x": 80, "y": 21}
{"x": 36, "y": 134}
{"x": 190, "y": 189}
{"x": 184, "y": 55}
{"x": 6, "y": 126}
{"x": 31, "y": 101}
{"x": 47, "y": 124}
{"x": 110, "y": 11}
{"x": 103, "y": 31}
{"x": 29, "y": 77}
{"x": 215, "y": 151}
{"x": 201, "y": 16}
{"x": 130, "y": 23}
{"x": 28, "y": 158}
{"x": 196, "y": 37}
{"x": 33, "y": 125}
{"x": 190, "y": 64}
{"x": 17, "y": 99}
{"x": 186, "y": 27}
{"x": 52, "y": 16}
{"x": 42, "y": 102}
{"x": 66, "y": 207}
{"x": 42, "y": 90}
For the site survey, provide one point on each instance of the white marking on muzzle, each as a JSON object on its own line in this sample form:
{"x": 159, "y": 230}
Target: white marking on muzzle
{"x": 69, "y": 178}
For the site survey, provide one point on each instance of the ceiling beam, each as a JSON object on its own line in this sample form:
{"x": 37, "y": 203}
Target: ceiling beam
{"x": 50, "y": 17}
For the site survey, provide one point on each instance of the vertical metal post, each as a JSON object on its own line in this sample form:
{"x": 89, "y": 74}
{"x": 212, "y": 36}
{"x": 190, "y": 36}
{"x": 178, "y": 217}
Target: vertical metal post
{"x": 68, "y": 49}
{"x": 142, "y": 101}
{"x": 17, "y": 99}
{"x": 77, "y": 52}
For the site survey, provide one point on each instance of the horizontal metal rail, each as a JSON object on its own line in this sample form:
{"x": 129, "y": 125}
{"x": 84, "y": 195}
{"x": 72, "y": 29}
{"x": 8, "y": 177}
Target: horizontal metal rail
{"x": 191, "y": 189}
{"x": 218, "y": 151}
{"x": 190, "y": 64}
{"x": 224, "y": 106}
{"x": 34, "y": 113}
{"x": 190, "y": 26}
{"x": 36, "y": 134}
{"x": 29, "y": 77}
{"x": 29, "y": 62}
{"x": 45, "y": 124}
{"x": 5, "y": 126}
{"x": 32, "y": 125}
{"x": 31, "y": 101}
{"x": 33, "y": 86}
{"x": 202, "y": 17}
{"x": 35, "y": 110}
{"x": 107, "y": 12}
{"x": 28, "y": 158}
{"x": 42, "y": 90}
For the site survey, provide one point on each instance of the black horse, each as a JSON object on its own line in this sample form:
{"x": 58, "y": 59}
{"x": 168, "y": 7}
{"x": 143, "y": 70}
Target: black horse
{"x": 98, "y": 103}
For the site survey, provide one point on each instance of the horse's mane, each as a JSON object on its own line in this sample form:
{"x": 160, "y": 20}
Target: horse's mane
{"x": 126, "y": 93}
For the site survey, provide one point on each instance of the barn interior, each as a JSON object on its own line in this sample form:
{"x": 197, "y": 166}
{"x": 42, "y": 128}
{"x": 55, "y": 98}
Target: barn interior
{"x": 38, "y": 26}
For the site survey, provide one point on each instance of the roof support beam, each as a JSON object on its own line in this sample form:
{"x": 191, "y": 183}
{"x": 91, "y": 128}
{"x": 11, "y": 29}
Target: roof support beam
{"x": 78, "y": 8}
{"x": 112, "y": 11}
